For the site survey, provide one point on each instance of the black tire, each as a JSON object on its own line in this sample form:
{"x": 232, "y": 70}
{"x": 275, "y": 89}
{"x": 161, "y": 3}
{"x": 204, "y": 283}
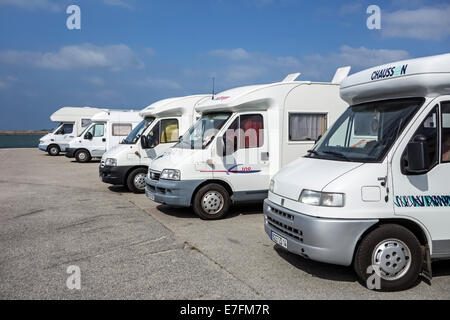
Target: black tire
{"x": 217, "y": 199}
{"x": 137, "y": 186}
{"x": 394, "y": 232}
{"x": 53, "y": 150}
{"x": 83, "y": 156}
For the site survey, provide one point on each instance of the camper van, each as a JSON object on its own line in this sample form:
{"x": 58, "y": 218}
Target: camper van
{"x": 245, "y": 135}
{"x": 72, "y": 121}
{"x": 374, "y": 191}
{"x": 163, "y": 121}
{"x": 107, "y": 130}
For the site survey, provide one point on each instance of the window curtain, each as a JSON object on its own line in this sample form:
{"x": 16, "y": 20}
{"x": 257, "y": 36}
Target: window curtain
{"x": 305, "y": 126}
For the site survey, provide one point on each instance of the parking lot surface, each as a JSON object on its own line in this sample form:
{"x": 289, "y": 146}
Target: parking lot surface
{"x": 56, "y": 213}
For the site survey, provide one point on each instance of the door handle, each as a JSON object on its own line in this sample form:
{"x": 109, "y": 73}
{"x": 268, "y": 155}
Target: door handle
{"x": 104, "y": 139}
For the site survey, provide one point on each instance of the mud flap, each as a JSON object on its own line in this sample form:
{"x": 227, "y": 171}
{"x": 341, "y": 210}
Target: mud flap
{"x": 427, "y": 273}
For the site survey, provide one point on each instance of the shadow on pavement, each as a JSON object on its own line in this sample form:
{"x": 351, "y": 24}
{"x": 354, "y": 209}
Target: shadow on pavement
{"x": 235, "y": 210}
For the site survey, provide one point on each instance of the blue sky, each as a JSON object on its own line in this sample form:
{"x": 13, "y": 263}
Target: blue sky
{"x": 130, "y": 53}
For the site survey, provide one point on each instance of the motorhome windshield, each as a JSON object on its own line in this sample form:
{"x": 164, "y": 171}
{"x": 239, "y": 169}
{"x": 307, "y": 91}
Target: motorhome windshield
{"x": 84, "y": 131}
{"x": 203, "y": 131}
{"x": 134, "y": 135}
{"x": 365, "y": 132}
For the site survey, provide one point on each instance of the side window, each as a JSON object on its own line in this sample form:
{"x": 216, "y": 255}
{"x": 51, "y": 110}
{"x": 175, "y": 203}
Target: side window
{"x": 306, "y": 127}
{"x": 121, "y": 129}
{"x": 251, "y": 131}
{"x": 153, "y": 135}
{"x": 169, "y": 131}
{"x": 232, "y": 134}
{"x": 428, "y": 132}
{"x": 85, "y": 122}
{"x": 67, "y": 128}
{"x": 99, "y": 130}
{"x": 445, "y": 120}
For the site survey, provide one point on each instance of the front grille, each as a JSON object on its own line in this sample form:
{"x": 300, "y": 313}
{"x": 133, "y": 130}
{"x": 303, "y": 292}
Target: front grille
{"x": 285, "y": 229}
{"x": 154, "y": 175}
{"x": 281, "y": 213}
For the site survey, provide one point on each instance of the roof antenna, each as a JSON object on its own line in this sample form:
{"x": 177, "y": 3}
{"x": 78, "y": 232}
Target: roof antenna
{"x": 213, "y": 87}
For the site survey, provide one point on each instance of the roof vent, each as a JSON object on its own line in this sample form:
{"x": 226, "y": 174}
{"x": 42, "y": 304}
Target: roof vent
{"x": 340, "y": 75}
{"x": 291, "y": 77}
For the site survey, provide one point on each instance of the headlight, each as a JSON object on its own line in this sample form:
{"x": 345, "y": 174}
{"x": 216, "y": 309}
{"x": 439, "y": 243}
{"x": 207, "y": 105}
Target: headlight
{"x": 271, "y": 186}
{"x": 170, "y": 174}
{"x": 110, "y": 162}
{"x": 324, "y": 199}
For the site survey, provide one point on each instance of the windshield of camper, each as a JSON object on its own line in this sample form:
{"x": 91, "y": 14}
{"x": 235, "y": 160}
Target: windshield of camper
{"x": 203, "y": 131}
{"x": 134, "y": 135}
{"x": 365, "y": 132}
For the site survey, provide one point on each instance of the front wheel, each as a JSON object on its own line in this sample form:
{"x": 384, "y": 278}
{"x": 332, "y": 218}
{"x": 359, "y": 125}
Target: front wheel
{"x": 211, "y": 202}
{"x": 136, "y": 180}
{"x": 83, "y": 156}
{"x": 389, "y": 258}
{"x": 53, "y": 150}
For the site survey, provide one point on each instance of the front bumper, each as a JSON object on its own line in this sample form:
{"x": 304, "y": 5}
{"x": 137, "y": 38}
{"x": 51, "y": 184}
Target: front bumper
{"x": 170, "y": 192}
{"x": 70, "y": 152}
{"x": 325, "y": 240}
{"x": 43, "y": 147}
{"x": 114, "y": 175}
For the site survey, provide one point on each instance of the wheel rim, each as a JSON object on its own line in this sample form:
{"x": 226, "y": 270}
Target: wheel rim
{"x": 82, "y": 156}
{"x": 53, "y": 150}
{"x": 139, "y": 181}
{"x": 212, "y": 202}
{"x": 393, "y": 258}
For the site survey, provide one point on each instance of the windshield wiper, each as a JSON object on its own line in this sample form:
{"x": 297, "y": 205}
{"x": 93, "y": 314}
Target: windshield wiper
{"x": 312, "y": 152}
{"x": 340, "y": 155}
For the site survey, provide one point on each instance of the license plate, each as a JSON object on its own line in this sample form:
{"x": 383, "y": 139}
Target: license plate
{"x": 279, "y": 240}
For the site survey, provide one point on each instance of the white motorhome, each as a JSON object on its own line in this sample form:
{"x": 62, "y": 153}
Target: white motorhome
{"x": 163, "y": 121}
{"x": 72, "y": 121}
{"x": 245, "y": 135}
{"x": 107, "y": 130}
{"x": 374, "y": 191}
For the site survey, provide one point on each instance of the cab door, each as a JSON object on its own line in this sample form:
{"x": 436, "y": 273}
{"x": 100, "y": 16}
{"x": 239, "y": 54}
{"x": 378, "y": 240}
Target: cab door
{"x": 64, "y": 135}
{"x": 98, "y": 142}
{"x": 425, "y": 196}
{"x": 163, "y": 135}
{"x": 246, "y": 169}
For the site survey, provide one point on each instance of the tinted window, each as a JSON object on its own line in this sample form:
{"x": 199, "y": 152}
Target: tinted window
{"x": 169, "y": 131}
{"x": 445, "y": 110}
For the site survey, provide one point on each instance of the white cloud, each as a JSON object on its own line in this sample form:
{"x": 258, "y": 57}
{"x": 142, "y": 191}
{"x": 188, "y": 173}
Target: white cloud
{"x": 114, "y": 57}
{"x": 426, "y": 23}
{"x": 242, "y": 65}
{"x": 156, "y": 83}
{"x": 230, "y": 54}
{"x": 118, "y": 3}
{"x": 32, "y": 4}
{"x": 6, "y": 82}
{"x": 320, "y": 66}
{"x": 95, "y": 81}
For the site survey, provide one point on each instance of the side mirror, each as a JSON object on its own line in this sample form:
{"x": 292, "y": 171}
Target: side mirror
{"x": 144, "y": 142}
{"x": 88, "y": 136}
{"x": 418, "y": 160}
{"x": 318, "y": 138}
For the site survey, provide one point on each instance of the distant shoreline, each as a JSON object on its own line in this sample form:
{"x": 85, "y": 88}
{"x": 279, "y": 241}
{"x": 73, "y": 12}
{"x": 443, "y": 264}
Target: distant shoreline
{"x": 22, "y": 132}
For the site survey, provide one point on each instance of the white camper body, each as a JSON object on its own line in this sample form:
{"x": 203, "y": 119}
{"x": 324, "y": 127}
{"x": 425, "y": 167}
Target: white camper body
{"x": 72, "y": 121}
{"x": 244, "y": 137}
{"x": 127, "y": 164}
{"x": 107, "y": 130}
{"x": 374, "y": 191}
